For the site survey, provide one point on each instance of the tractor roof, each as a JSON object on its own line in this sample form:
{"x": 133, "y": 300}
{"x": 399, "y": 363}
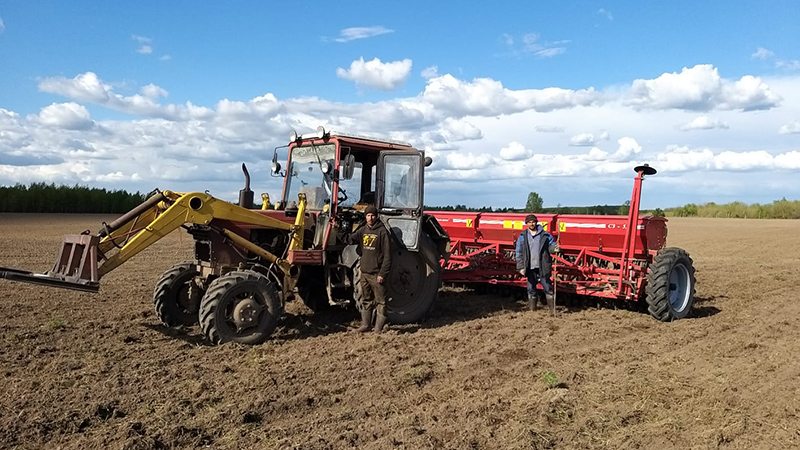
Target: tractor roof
{"x": 369, "y": 140}
{"x": 355, "y": 140}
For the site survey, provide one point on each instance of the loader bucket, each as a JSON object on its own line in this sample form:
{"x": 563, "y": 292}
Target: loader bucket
{"x": 75, "y": 267}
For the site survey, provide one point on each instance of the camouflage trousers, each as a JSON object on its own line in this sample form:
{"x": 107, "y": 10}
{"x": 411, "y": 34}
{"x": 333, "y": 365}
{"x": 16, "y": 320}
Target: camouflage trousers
{"x": 373, "y": 293}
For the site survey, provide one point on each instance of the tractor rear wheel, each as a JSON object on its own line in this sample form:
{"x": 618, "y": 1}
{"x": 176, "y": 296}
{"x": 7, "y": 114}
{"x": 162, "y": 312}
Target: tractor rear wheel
{"x": 413, "y": 282}
{"x": 177, "y": 295}
{"x": 670, "y": 285}
{"x": 242, "y": 307}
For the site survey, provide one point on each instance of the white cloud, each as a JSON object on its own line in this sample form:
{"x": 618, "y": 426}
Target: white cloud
{"x": 595, "y": 154}
{"x": 704, "y": 123}
{"x": 532, "y": 44}
{"x": 376, "y": 74}
{"x": 475, "y": 130}
{"x": 792, "y": 127}
{"x": 165, "y": 58}
{"x": 628, "y": 147}
{"x": 430, "y": 72}
{"x": 484, "y": 96}
{"x": 788, "y": 65}
{"x": 515, "y": 152}
{"x": 352, "y": 34}
{"x": 548, "y": 129}
{"x": 145, "y": 47}
{"x": 700, "y": 88}
{"x": 607, "y": 14}
{"x": 154, "y": 92}
{"x": 87, "y": 87}
{"x": 682, "y": 159}
{"x": 460, "y": 130}
{"x": 587, "y": 139}
{"x": 788, "y": 160}
{"x": 762, "y": 54}
{"x": 465, "y": 161}
{"x": 550, "y": 52}
{"x": 68, "y": 116}
{"x": 2, "y": 25}
{"x": 84, "y": 87}
{"x": 736, "y": 161}
{"x": 583, "y": 139}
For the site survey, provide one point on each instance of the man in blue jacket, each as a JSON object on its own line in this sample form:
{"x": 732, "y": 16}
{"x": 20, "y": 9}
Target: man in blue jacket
{"x": 534, "y": 246}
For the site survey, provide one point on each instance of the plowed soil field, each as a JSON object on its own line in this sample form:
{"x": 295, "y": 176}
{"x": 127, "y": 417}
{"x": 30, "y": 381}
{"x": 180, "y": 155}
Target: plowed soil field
{"x": 98, "y": 371}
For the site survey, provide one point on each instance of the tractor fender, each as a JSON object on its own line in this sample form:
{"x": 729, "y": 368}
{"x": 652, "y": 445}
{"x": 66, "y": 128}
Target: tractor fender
{"x": 350, "y": 256}
{"x": 438, "y": 235}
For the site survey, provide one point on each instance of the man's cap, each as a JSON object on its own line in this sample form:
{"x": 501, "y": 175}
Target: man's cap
{"x": 531, "y": 218}
{"x": 371, "y": 209}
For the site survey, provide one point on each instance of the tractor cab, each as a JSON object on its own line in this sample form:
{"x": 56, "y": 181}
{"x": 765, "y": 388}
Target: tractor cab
{"x": 341, "y": 174}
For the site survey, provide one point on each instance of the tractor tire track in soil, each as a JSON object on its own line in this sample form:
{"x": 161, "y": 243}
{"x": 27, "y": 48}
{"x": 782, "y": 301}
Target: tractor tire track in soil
{"x": 97, "y": 371}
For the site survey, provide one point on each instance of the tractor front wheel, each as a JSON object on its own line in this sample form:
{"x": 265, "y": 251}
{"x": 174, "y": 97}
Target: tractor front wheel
{"x": 670, "y": 285}
{"x": 177, "y": 295}
{"x": 242, "y": 307}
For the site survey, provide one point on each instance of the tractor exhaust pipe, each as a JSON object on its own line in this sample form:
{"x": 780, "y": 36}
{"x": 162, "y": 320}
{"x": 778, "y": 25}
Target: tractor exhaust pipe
{"x": 246, "y": 195}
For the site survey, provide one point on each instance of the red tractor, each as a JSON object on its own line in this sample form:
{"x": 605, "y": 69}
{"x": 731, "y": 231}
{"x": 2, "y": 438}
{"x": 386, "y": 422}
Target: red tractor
{"x": 249, "y": 262}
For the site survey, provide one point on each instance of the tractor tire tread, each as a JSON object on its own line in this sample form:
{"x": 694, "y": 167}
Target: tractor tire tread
{"x": 657, "y": 290}
{"x": 161, "y": 295}
{"x": 214, "y": 294}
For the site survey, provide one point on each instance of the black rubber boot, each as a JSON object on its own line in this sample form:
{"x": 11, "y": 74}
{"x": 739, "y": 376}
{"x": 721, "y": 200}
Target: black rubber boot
{"x": 551, "y": 301}
{"x": 533, "y": 302}
{"x": 380, "y": 321}
{"x": 366, "y": 320}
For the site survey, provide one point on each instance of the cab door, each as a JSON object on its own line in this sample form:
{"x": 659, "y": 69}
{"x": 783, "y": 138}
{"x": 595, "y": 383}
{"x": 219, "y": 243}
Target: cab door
{"x": 399, "y": 194}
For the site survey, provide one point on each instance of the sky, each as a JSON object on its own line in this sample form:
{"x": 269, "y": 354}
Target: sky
{"x": 554, "y": 97}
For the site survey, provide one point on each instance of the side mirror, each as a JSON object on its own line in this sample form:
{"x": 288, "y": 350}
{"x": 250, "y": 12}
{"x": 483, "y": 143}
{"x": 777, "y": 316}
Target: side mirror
{"x": 428, "y": 161}
{"x": 276, "y": 166}
{"x": 348, "y": 166}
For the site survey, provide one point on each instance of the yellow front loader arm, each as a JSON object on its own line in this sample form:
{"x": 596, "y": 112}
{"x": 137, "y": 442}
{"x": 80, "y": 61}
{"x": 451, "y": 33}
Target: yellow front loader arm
{"x": 196, "y": 208}
{"x": 77, "y": 266}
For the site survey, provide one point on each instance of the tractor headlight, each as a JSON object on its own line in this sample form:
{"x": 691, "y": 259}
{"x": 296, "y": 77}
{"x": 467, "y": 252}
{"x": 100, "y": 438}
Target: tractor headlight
{"x": 325, "y": 167}
{"x": 292, "y": 136}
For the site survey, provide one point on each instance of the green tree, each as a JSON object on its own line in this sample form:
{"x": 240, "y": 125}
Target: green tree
{"x": 623, "y": 210}
{"x": 535, "y": 203}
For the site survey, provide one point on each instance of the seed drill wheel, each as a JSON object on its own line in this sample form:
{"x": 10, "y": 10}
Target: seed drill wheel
{"x": 242, "y": 307}
{"x": 670, "y": 285}
{"x": 177, "y": 295}
{"x": 413, "y": 283}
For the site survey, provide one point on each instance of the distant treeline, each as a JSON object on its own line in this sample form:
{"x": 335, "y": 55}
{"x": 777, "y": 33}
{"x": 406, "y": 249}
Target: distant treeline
{"x": 779, "y": 209}
{"x": 49, "y": 198}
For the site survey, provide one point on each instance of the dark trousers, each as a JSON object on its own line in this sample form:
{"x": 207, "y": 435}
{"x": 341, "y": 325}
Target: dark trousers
{"x": 533, "y": 279}
{"x": 374, "y": 293}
